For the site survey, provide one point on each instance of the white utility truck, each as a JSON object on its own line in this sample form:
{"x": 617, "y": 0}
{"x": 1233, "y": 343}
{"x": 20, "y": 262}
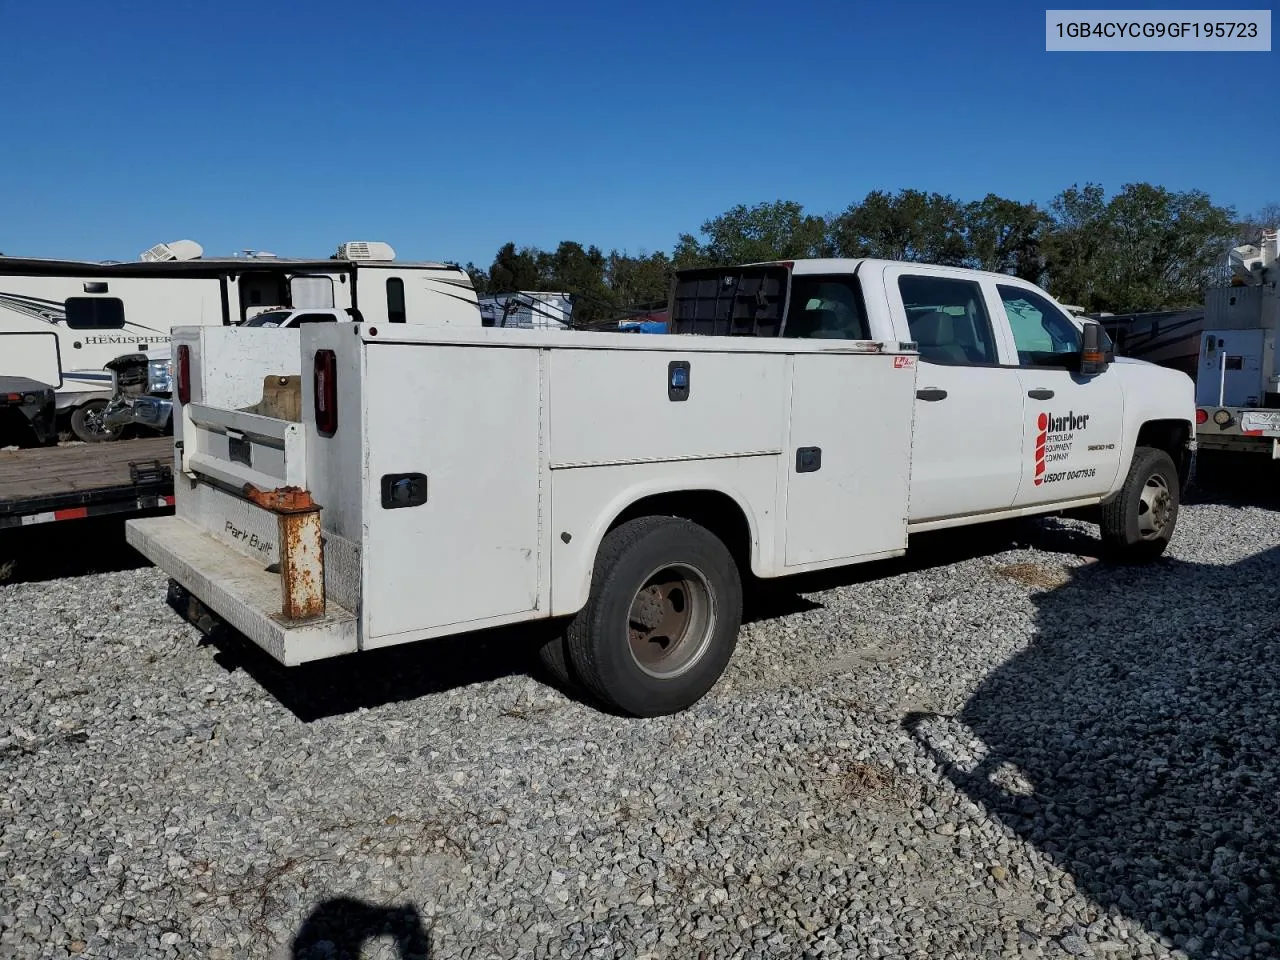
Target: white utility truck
{"x": 629, "y": 483}
{"x": 1238, "y": 382}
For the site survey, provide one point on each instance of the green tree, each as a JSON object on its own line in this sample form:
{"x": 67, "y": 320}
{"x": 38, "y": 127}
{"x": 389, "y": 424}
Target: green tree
{"x": 779, "y": 230}
{"x": 909, "y": 225}
{"x": 640, "y": 281}
{"x": 514, "y": 270}
{"x": 578, "y": 271}
{"x": 1146, "y": 248}
{"x": 1004, "y": 236}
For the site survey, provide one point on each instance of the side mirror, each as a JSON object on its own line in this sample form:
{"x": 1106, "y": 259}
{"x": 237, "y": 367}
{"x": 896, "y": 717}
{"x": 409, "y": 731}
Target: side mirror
{"x": 1093, "y": 351}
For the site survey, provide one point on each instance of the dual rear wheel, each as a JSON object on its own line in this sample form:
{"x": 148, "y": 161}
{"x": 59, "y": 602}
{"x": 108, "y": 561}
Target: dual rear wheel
{"x": 661, "y": 622}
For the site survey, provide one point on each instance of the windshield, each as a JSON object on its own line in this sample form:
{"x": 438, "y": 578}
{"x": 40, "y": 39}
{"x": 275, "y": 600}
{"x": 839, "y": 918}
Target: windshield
{"x": 272, "y": 318}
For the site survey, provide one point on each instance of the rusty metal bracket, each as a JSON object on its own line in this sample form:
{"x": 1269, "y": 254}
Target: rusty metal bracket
{"x": 301, "y": 549}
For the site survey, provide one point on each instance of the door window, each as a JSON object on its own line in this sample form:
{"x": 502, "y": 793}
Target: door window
{"x": 1043, "y": 335}
{"x": 948, "y": 320}
{"x": 826, "y": 308}
{"x": 94, "y": 313}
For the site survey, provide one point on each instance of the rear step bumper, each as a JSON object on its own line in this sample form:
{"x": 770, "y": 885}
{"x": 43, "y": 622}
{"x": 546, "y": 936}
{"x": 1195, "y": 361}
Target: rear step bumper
{"x": 241, "y": 591}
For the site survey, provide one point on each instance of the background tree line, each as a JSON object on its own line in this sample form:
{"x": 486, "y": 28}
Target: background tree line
{"x": 1144, "y": 248}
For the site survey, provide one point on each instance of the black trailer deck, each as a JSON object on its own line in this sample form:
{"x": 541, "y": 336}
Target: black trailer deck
{"x": 85, "y": 480}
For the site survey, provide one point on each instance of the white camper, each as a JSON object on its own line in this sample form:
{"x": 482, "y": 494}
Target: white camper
{"x": 99, "y": 311}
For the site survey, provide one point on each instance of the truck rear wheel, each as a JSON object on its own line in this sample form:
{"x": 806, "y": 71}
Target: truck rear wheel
{"x": 662, "y": 619}
{"x": 553, "y": 655}
{"x": 1138, "y": 523}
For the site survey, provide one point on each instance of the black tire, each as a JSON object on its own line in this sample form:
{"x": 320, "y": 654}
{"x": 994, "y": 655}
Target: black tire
{"x": 86, "y": 422}
{"x": 652, "y": 574}
{"x": 1138, "y": 523}
{"x": 553, "y": 656}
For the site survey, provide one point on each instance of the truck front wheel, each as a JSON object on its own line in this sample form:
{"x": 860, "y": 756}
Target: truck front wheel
{"x": 662, "y": 618}
{"x": 87, "y": 423}
{"x": 1138, "y": 523}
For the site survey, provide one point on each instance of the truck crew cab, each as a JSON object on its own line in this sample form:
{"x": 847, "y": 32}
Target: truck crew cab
{"x": 800, "y": 416}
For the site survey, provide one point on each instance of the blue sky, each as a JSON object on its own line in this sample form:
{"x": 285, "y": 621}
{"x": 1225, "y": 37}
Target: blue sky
{"x": 450, "y": 129}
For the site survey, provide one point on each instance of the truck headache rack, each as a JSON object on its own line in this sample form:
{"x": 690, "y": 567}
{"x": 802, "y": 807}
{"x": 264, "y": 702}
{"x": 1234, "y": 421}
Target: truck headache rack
{"x": 718, "y": 302}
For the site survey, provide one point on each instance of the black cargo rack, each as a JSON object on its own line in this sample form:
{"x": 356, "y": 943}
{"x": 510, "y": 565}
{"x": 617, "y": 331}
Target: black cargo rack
{"x": 730, "y": 301}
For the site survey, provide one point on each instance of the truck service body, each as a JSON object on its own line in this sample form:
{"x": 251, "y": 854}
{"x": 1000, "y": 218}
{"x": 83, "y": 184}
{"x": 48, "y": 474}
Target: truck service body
{"x": 834, "y": 407}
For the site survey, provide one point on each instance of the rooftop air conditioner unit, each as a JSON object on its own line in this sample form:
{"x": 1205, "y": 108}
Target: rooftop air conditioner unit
{"x": 177, "y": 250}
{"x": 365, "y": 250}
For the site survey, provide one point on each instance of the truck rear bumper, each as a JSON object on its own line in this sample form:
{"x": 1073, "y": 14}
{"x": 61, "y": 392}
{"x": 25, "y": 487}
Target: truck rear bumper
{"x": 241, "y": 591}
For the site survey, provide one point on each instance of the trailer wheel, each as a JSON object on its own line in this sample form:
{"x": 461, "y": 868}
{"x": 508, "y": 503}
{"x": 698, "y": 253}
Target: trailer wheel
{"x": 1138, "y": 523}
{"x": 87, "y": 423}
{"x": 662, "y": 619}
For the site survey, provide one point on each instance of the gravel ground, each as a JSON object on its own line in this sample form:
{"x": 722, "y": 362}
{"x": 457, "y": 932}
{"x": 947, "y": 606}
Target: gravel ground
{"x": 1001, "y": 749}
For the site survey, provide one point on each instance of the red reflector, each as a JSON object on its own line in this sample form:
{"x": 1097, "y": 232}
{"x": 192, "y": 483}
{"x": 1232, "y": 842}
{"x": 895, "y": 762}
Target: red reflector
{"x": 1202, "y": 416}
{"x": 184, "y": 375}
{"x": 326, "y": 392}
{"x": 14, "y": 397}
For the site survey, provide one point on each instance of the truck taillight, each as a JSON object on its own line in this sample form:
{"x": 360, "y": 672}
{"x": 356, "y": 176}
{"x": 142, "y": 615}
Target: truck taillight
{"x": 184, "y": 375}
{"x": 326, "y": 384}
{"x": 1202, "y": 416}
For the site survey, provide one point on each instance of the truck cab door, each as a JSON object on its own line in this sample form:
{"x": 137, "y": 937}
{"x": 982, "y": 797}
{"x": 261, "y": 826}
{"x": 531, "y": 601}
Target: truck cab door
{"x": 967, "y": 436}
{"x": 1072, "y": 426}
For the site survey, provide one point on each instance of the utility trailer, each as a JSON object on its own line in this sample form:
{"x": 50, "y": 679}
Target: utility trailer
{"x": 73, "y": 482}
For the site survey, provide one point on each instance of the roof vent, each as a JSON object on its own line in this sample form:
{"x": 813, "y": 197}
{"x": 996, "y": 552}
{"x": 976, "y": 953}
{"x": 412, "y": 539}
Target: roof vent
{"x": 177, "y": 250}
{"x": 365, "y": 250}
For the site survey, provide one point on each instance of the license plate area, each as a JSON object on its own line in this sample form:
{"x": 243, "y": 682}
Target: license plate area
{"x": 239, "y": 449}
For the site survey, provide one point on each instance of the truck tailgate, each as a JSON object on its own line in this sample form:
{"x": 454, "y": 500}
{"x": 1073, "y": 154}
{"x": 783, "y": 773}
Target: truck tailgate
{"x": 243, "y": 592}
{"x": 246, "y": 537}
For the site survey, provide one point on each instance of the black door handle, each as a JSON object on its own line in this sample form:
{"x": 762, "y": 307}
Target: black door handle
{"x": 1040, "y": 394}
{"x": 931, "y": 394}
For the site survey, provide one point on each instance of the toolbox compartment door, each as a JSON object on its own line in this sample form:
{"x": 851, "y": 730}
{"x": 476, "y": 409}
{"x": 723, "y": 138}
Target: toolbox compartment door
{"x": 849, "y": 457}
{"x": 463, "y": 424}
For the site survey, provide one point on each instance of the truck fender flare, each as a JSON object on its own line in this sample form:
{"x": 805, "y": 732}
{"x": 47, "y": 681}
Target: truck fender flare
{"x": 573, "y": 596}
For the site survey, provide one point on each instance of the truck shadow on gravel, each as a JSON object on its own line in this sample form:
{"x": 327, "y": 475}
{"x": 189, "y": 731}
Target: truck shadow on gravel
{"x": 67, "y": 548}
{"x": 1135, "y": 744}
{"x": 372, "y": 678}
{"x": 341, "y": 928}
{"x": 1236, "y": 480}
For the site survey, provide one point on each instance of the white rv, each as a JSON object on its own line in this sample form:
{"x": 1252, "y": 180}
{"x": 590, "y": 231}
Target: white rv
{"x": 99, "y": 311}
